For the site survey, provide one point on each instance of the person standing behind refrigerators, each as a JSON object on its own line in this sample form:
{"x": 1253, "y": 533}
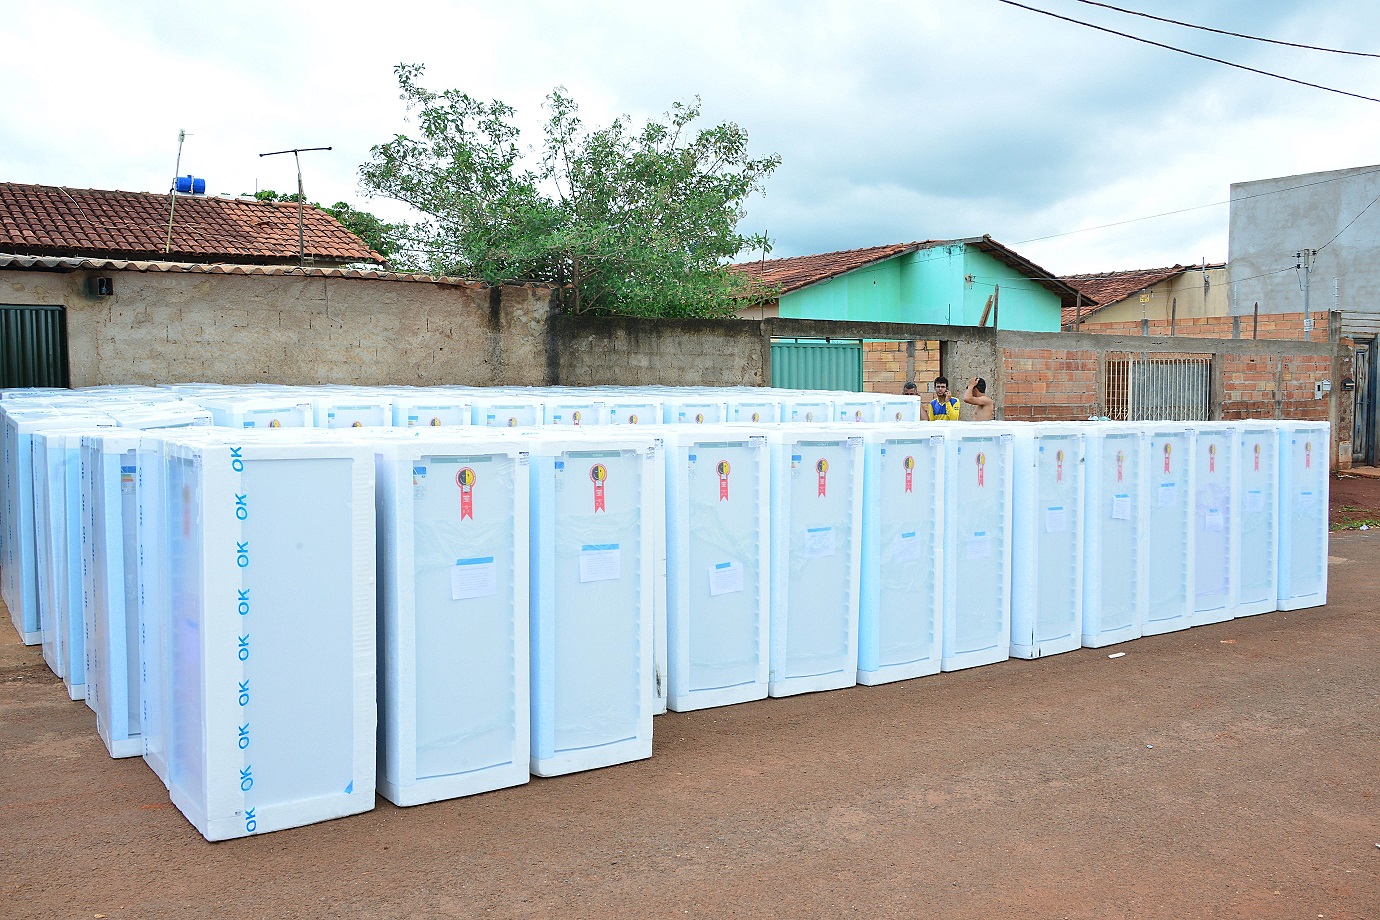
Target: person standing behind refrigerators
{"x": 976, "y": 395}
{"x": 943, "y": 408}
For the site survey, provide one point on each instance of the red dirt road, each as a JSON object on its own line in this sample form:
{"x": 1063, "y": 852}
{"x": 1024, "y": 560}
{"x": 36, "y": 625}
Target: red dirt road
{"x": 1225, "y": 771}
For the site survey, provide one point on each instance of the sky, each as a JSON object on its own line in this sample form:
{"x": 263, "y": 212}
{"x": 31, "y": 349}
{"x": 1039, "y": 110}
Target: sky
{"x": 895, "y": 121}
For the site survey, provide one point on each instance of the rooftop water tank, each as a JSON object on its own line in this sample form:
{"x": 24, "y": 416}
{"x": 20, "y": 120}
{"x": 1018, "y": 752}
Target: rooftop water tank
{"x": 187, "y": 185}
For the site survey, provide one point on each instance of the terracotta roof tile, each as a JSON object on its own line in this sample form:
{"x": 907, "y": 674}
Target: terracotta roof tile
{"x": 801, "y": 271}
{"x": 49, "y": 220}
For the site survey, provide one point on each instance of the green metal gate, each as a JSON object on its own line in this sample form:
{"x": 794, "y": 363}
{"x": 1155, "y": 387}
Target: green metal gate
{"x": 815, "y": 364}
{"x": 33, "y": 346}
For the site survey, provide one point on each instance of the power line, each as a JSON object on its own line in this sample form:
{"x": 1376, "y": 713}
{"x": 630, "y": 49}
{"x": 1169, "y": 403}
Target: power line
{"x": 1254, "y": 38}
{"x": 1348, "y": 226}
{"x": 1199, "y": 207}
{"x": 1205, "y": 57}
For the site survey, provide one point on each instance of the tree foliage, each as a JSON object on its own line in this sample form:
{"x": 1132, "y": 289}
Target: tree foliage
{"x": 624, "y": 219}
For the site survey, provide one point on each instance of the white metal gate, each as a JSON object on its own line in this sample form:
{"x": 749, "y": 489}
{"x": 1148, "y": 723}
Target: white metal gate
{"x": 1143, "y": 387}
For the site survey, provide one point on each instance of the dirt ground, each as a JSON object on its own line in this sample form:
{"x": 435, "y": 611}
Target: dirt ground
{"x": 1355, "y": 502}
{"x": 1225, "y": 771}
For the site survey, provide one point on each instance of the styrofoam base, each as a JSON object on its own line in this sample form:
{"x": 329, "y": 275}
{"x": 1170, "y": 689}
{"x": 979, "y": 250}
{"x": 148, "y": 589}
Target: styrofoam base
{"x": 53, "y": 660}
{"x": 1208, "y": 617}
{"x": 1045, "y": 649}
{"x": 723, "y": 696}
{"x": 1114, "y": 637}
{"x": 1256, "y": 607}
{"x": 76, "y": 693}
{"x": 976, "y": 659}
{"x": 120, "y": 748}
{"x": 30, "y": 638}
{"x": 270, "y": 818}
{"x": 1302, "y": 603}
{"x": 814, "y": 683}
{"x": 894, "y": 672}
{"x": 593, "y": 758}
{"x": 454, "y": 787}
{"x": 1160, "y": 627}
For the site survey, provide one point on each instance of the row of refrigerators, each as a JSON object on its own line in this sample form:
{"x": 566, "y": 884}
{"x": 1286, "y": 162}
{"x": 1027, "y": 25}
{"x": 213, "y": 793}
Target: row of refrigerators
{"x": 240, "y": 607}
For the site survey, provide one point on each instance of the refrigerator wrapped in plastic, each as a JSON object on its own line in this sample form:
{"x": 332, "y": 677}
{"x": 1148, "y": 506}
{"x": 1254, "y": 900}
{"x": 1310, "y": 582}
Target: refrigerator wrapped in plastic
{"x": 977, "y": 566}
{"x": 695, "y": 408}
{"x": 717, "y": 541}
{"x": 816, "y": 557}
{"x": 351, "y": 410}
{"x": 1116, "y": 557}
{"x": 754, "y": 407}
{"x": 592, "y": 570}
{"x": 507, "y": 411}
{"x": 1215, "y": 523}
{"x": 285, "y": 410}
{"x": 900, "y": 409}
{"x": 901, "y": 609}
{"x": 454, "y": 703}
{"x": 1169, "y": 527}
{"x": 1047, "y": 540}
{"x": 430, "y": 410}
{"x": 1303, "y": 487}
{"x": 1256, "y": 562}
{"x": 270, "y": 637}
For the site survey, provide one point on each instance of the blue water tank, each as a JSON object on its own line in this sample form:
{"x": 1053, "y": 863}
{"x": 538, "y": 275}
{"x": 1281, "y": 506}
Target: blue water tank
{"x": 186, "y": 185}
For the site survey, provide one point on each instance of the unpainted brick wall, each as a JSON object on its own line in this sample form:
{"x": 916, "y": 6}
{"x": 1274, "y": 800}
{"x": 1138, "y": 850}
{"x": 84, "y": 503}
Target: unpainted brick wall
{"x": 885, "y": 365}
{"x": 1268, "y": 386}
{"x": 1287, "y": 326}
{"x": 1048, "y": 384}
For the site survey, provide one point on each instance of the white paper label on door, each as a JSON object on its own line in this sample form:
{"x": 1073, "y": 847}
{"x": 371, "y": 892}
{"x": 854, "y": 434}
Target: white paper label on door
{"x": 1212, "y": 520}
{"x": 471, "y": 578}
{"x": 1056, "y": 519}
{"x": 979, "y": 545}
{"x": 1121, "y": 507}
{"x": 907, "y": 548}
{"x": 725, "y": 578}
{"x": 601, "y": 562}
{"x": 1255, "y": 502}
{"x": 1168, "y": 494}
{"x": 819, "y": 542}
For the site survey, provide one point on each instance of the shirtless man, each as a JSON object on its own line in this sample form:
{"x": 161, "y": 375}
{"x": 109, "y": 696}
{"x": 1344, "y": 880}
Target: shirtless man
{"x": 976, "y": 395}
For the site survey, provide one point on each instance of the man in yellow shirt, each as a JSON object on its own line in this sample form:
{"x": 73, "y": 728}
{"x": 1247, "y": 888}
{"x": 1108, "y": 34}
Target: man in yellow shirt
{"x": 943, "y": 408}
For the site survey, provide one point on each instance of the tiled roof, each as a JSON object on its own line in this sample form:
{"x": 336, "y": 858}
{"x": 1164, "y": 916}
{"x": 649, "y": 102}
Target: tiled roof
{"x": 801, "y": 271}
{"x": 76, "y": 263}
{"x": 49, "y": 220}
{"x": 1103, "y": 288}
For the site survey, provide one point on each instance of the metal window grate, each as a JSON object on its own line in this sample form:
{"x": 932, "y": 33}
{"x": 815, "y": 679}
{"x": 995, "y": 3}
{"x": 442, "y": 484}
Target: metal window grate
{"x": 1143, "y": 387}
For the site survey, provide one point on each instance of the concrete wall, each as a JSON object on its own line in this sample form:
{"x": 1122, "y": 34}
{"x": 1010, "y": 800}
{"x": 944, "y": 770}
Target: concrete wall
{"x": 1272, "y": 219}
{"x": 604, "y": 350}
{"x": 888, "y": 365}
{"x": 162, "y": 327}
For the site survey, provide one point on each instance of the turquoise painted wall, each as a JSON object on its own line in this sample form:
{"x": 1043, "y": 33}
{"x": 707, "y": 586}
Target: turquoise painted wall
{"x": 928, "y": 287}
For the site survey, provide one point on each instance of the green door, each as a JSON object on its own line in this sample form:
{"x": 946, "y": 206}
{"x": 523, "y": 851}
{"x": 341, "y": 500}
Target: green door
{"x": 33, "y": 346}
{"x": 814, "y": 364}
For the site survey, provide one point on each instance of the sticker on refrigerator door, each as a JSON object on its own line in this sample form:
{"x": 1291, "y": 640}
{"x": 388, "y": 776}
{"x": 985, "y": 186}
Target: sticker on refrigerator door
{"x": 979, "y": 545}
{"x": 418, "y": 482}
{"x": 1167, "y": 453}
{"x": 473, "y": 578}
{"x": 1306, "y": 503}
{"x": 725, "y": 578}
{"x": 1056, "y": 519}
{"x": 722, "y": 469}
{"x": 1120, "y": 465}
{"x": 1212, "y": 458}
{"x": 1168, "y": 493}
{"x": 1058, "y": 465}
{"x": 1121, "y": 506}
{"x": 600, "y": 562}
{"x": 1212, "y": 520}
{"x": 822, "y": 468}
{"x": 599, "y": 474}
{"x": 819, "y": 542}
{"x": 908, "y": 465}
{"x": 907, "y": 547}
{"x": 1255, "y": 502}
{"x": 126, "y": 479}
{"x": 1256, "y": 452}
{"x": 981, "y": 469}
{"x": 466, "y": 479}
{"x": 1308, "y": 455}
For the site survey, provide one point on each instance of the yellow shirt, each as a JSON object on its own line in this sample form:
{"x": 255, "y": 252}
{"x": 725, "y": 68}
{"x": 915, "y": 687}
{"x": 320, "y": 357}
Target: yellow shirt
{"x": 944, "y": 411}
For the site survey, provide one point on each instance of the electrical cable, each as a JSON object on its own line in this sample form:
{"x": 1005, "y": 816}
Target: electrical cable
{"x": 1205, "y": 57}
{"x": 1254, "y": 38}
{"x": 1348, "y": 226}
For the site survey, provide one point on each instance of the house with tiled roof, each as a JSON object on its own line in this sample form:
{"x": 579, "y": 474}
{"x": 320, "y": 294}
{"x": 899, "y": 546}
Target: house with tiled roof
{"x": 47, "y": 220}
{"x": 945, "y": 282}
{"x": 1155, "y": 295}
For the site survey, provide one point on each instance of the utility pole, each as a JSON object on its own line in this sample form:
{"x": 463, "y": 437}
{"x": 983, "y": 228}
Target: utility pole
{"x": 1304, "y": 260}
{"x": 172, "y": 202}
{"x": 301, "y": 198}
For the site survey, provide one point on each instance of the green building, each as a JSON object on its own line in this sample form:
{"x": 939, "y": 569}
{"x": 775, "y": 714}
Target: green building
{"x": 946, "y": 282}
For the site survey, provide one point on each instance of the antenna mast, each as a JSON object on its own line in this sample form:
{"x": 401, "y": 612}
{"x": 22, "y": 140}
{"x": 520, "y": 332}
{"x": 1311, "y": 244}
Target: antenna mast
{"x": 301, "y": 198}
{"x": 172, "y": 204}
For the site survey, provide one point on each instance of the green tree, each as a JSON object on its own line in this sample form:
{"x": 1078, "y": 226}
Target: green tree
{"x": 392, "y": 241}
{"x": 624, "y": 220}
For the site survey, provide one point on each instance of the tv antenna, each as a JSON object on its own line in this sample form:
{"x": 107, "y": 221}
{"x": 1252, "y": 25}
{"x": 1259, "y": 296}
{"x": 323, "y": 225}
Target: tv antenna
{"x": 172, "y": 204}
{"x": 301, "y": 198}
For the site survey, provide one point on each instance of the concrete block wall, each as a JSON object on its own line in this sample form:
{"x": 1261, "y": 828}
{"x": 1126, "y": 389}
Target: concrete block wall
{"x": 601, "y": 350}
